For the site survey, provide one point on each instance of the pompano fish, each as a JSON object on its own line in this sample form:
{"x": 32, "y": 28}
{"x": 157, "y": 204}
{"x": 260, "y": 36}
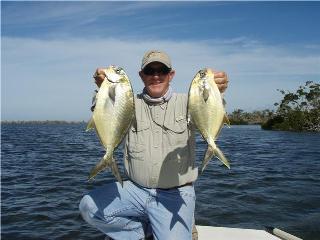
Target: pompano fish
{"x": 206, "y": 110}
{"x": 112, "y": 116}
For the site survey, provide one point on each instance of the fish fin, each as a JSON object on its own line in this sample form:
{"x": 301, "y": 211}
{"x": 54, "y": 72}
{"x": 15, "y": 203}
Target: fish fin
{"x": 188, "y": 117}
{"x": 205, "y": 94}
{"x": 219, "y": 154}
{"x": 112, "y": 93}
{"x": 116, "y": 172}
{"x": 90, "y": 125}
{"x": 226, "y": 120}
{"x": 208, "y": 155}
{"x": 211, "y": 152}
{"x": 224, "y": 102}
{"x": 106, "y": 161}
{"x": 134, "y": 123}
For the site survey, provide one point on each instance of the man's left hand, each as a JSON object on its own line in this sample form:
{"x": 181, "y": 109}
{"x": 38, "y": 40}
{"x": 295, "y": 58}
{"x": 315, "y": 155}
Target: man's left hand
{"x": 221, "y": 80}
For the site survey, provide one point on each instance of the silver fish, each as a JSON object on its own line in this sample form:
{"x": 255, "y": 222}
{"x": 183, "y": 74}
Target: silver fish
{"x": 112, "y": 116}
{"x": 207, "y": 113}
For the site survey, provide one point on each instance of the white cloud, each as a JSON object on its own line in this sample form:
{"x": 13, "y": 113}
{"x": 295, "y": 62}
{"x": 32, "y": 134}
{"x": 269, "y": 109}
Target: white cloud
{"x": 77, "y": 12}
{"x": 52, "y": 79}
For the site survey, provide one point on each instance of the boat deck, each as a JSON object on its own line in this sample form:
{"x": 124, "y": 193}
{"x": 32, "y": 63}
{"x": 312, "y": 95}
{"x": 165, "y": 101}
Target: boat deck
{"x": 222, "y": 233}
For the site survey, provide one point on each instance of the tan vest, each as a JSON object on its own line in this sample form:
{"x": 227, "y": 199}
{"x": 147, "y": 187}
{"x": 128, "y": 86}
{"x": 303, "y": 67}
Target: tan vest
{"x": 160, "y": 147}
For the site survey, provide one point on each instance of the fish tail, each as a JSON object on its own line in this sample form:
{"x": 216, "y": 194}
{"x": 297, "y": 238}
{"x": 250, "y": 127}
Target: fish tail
{"x": 214, "y": 151}
{"x": 209, "y": 154}
{"x": 116, "y": 172}
{"x": 105, "y": 162}
{"x": 219, "y": 154}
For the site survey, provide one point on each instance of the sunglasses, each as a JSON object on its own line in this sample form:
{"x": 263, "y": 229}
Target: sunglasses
{"x": 150, "y": 71}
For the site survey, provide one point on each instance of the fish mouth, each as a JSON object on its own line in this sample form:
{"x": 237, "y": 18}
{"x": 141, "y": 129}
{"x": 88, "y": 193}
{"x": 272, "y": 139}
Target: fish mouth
{"x": 113, "y": 77}
{"x": 114, "y": 74}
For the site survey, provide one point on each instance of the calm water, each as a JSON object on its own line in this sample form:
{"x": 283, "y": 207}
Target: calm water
{"x": 274, "y": 181}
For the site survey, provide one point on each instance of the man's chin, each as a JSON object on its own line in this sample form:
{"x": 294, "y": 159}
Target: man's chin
{"x": 155, "y": 92}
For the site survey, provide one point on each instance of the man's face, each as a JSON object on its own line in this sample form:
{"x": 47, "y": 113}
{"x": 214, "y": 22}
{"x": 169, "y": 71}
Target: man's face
{"x": 156, "y": 78}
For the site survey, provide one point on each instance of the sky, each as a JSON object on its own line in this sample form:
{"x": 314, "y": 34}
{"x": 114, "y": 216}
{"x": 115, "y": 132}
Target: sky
{"x": 50, "y": 50}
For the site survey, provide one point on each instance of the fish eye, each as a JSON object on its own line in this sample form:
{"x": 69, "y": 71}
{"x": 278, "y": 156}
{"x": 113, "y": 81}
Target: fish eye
{"x": 119, "y": 70}
{"x": 202, "y": 73}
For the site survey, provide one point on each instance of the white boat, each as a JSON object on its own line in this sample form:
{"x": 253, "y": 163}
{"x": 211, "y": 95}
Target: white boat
{"x": 223, "y": 233}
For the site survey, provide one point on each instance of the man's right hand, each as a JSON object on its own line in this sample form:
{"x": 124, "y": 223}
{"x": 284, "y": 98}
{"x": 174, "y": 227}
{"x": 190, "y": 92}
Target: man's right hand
{"x": 99, "y": 76}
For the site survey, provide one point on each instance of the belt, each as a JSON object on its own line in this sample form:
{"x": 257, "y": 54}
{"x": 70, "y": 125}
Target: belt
{"x": 165, "y": 189}
{"x": 183, "y": 185}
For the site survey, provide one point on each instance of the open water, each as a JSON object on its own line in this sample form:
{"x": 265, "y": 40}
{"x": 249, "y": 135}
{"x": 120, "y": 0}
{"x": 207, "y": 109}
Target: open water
{"x": 274, "y": 181}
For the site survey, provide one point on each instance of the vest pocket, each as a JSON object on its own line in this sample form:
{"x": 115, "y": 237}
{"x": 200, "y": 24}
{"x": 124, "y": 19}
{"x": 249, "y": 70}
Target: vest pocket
{"x": 179, "y": 125}
{"x": 136, "y": 151}
{"x": 139, "y": 126}
{"x": 176, "y": 132}
{"x": 137, "y": 136}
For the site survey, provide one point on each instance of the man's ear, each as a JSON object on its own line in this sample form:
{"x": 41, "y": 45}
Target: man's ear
{"x": 141, "y": 76}
{"x": 172, "y": 73}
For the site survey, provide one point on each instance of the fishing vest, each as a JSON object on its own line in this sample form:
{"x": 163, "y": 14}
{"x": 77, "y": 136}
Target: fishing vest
{"x": 160, "y": 145}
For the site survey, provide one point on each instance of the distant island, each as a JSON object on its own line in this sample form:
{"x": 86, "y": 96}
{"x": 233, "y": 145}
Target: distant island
{"x": 298, "y": 111}
{"x": 240, "y": 117}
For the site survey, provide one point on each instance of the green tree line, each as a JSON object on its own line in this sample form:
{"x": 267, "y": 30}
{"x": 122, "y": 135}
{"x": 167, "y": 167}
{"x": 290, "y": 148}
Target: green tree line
{"x": 297, "y": 111}
{"x": 241, "y": 117}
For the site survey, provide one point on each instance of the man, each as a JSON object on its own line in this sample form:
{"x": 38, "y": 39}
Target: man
{"x": 158, "y": 199}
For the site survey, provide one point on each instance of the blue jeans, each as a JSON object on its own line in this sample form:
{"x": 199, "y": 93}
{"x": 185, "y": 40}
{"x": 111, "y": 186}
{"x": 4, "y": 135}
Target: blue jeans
{"x": 135, "y": 212}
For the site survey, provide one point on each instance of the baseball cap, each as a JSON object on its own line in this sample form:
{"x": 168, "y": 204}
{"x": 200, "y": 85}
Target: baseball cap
{"x": 156, "y": 56}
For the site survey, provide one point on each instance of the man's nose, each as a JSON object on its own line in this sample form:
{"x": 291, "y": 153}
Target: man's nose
{"x": 156, "y": 74}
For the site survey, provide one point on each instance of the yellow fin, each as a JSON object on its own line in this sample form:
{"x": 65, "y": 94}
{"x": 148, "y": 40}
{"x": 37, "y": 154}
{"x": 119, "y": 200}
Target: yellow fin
{"x": 218, "y": 153}
{"x": 205, "y": 94}
{"x": 213, "y": 151}
{"x": 112, "y": 93}
{"x": 90, "y": 125}
{"x": 226, "y": 120}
